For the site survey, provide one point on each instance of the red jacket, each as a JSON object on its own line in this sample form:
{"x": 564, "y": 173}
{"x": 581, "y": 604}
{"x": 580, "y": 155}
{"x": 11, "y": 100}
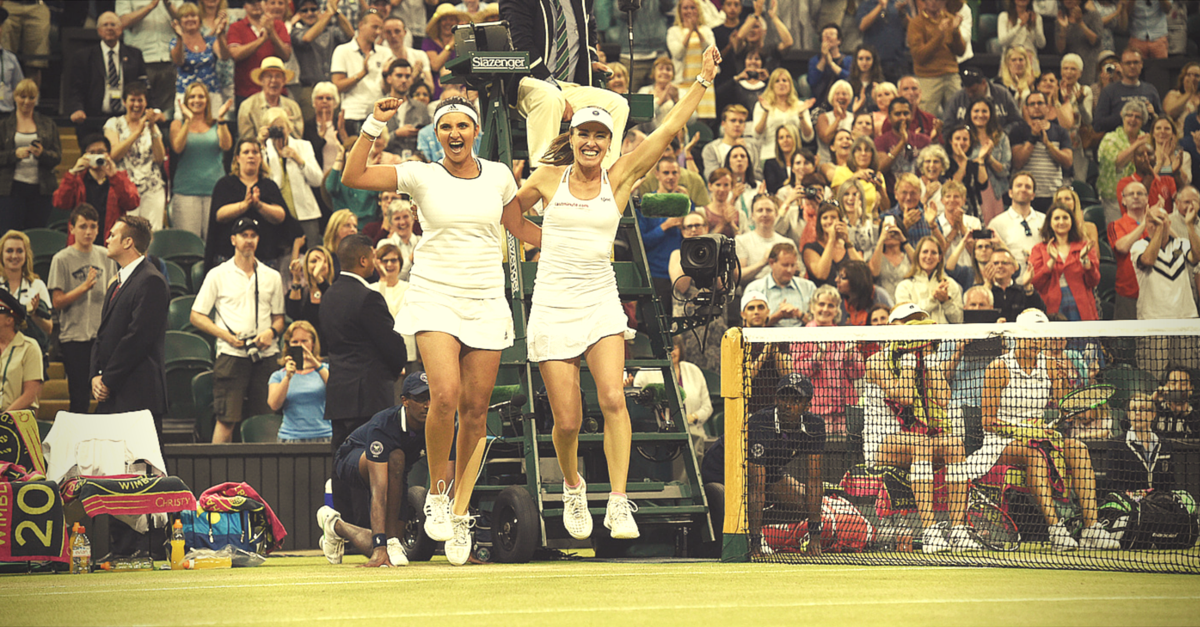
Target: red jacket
{"x": 122, "y": 198}
{"x": 1080, "y": 280}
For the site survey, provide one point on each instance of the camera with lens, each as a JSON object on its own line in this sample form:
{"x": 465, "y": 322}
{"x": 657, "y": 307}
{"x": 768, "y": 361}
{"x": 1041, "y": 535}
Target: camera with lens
{"x": 252, "y": 350}
{"x": 95, "y": 161}
{"x": 812, "y": 192}
{"x": 275, "y": 132}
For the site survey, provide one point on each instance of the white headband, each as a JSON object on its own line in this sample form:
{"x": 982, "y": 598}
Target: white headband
{"x": 454, "y": 108}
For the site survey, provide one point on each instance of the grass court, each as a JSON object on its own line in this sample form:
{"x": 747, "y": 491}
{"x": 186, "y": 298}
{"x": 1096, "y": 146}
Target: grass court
{"x": 307, "y": 590}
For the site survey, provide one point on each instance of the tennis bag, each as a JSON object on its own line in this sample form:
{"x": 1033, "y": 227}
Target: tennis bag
{"x": 216, "y": 530}
{"x": 1151, "y": 519}
{"x": 843, "y": 530}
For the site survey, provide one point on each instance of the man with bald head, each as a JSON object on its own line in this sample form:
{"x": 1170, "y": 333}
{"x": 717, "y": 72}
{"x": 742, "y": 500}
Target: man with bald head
{"x": 98, "y": 76}
{"x": 1122, "y": 235}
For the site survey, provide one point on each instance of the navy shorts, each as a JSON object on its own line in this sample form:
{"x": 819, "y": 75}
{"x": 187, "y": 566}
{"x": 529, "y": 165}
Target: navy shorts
{"x": 345, "y": 466}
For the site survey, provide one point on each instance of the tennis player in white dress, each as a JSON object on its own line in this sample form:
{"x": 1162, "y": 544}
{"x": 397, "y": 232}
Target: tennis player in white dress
{"x": 455, "y": 303}
{"x": 576, "y": 311}
{"x": 1018, "y": 387}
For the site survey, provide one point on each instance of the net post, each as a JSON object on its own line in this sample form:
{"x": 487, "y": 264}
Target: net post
{"x": 736, "y": 544}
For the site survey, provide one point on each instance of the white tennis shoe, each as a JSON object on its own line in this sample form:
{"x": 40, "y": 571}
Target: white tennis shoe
{"x": 437, "y": 515}
{"x": 961, "y": 540}
{"x": 1098, "y": 538}
{"x": 396, "y": 554}
{"x": 1060, "y": 538}
{"x": 619, "y": 518}
{"x": 331, "y": 543}
{"x": 933, "y": 539}
{"x": 458, "y": 547}
{"x": 576, "y": 517}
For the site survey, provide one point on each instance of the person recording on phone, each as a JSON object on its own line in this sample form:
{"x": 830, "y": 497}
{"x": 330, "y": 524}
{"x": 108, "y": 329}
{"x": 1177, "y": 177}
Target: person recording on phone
{"x": 94, "y": 179}
{"x": 298, "y": 388}
{"x": 247, "y": 297}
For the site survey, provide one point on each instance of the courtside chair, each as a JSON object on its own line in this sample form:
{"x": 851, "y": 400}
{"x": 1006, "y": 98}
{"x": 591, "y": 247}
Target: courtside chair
{"x": 261, "y": 428}
{"x": 44, "y": 243}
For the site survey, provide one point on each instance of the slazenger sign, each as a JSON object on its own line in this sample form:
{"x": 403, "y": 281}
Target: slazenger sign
{"x": 497, "y": 63}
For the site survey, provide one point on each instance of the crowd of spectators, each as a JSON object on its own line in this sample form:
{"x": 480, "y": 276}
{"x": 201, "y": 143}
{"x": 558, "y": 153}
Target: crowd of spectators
{"x": 887, "y": 168}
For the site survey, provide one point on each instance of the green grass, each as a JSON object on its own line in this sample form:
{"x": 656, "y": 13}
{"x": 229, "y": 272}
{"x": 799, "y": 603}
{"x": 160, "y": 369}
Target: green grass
{"x": 306, "y": 590}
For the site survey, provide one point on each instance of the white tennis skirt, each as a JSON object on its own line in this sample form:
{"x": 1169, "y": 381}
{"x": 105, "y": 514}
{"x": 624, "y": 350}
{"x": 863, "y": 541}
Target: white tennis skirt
{"x": 983, "y": 459}
{"x": 556, "y": 333}
{"x": 485, "y": 324}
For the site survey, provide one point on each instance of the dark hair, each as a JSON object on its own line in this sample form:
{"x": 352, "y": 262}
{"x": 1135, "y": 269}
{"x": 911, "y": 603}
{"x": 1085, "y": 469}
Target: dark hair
{"x": 417, "y": 84}
{"x": 388, "y": 247}
{"x": 874, "y": 75}
{"x": 84, "y": 211}
{"x": 1026, "y": 173}
{"x": 835, "y": 27}
{"x": 138, "y": 228}
{"x": 95, "y": 138}
{"x": 781, "y": 248}
{"x": 749, "y": 178}
{"x": 1033, "y": 93}
{"x": 822, "y": 209}
{"x": 862, "y": 141}
{"x": 1047, "y": 232}
{"x": 862, "y": 284}
{"x": 949, "y": 133}
{"x": 395, "y": 64}
{"x": 993, "y": 125}
{"x": 808, "y": 156}
{"x": 354, "y": 248}
{"x": 871, "y": 313}
{"x": 134, "y": 88}
{"x": 899, "y": 100}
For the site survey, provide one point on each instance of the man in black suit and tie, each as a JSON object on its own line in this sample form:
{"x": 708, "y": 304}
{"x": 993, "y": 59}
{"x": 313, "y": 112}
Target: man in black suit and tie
{"x": 98, "y": 77}
{"x": 129, "y": 354}
{"x": 366, "y": 355}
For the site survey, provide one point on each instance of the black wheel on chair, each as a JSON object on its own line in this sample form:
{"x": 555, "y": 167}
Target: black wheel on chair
{"x": 418, "y": 546}
{"x": 516, "y": 526}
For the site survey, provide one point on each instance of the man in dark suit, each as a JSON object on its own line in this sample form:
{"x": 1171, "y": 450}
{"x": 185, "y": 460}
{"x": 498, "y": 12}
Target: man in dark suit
{"x": 366, "y": 355}
{"x": 98, "y": 77}
{"x": 561, "y": 76}
{"x": 129, "y": 354}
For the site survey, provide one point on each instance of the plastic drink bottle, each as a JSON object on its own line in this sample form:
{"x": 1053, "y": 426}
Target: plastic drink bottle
{"x": 177, "y": 546}
{"x": 81, "y": 551}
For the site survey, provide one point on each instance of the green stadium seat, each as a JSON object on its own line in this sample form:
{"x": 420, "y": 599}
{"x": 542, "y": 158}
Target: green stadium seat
{"x": 803, "y": 90}
{"x": 178, "y": 279}
{"x": 58, "y": 220}
{"x": 183, "y": 347}
{"x": 1094, "y": 213}
{"x": 1128, "y": 381}
{"x": 179, "y": 386}
{"x": 45, "y": 242}
{"x": 179, "y": 314}
{"x": 987, "y": 27}
{"x": 202, "y": 401}
{"x": 1087, "y": 193}
{"x": 183, "y": 247}
{"x": 641, "y": 348}
{"x": 196, "y": 278}
{"x": 261, "y": 428}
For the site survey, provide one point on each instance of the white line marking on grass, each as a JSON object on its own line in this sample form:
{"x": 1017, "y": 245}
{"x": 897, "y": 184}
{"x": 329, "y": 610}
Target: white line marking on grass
{"x": 524, "y": 573}
{"x": 499, "y": 611}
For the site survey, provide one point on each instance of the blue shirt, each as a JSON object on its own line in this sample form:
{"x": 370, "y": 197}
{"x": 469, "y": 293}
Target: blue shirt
{"x": 798, "y": 291}
{"x": 820, "y": 81}
{"x": 888, "y": 35}
{"x": 914, "y": 232}
{"x": 10, "y": 75}
{"x": 659, "y": 244}
{"x": 304, "y": 406}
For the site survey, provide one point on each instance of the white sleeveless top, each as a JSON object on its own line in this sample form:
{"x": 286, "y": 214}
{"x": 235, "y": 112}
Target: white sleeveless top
{"x": 1026, "y": 395}
{"x": 575, "y": 269}
{"x": 460, "y": 251}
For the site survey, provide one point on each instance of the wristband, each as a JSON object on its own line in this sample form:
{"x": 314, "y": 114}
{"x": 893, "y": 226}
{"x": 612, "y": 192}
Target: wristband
{"x": 704, "y": 83}
{"x": 274, "y": 333}
{"x": 379, "y": 541}
{"x": 373, "y": 128}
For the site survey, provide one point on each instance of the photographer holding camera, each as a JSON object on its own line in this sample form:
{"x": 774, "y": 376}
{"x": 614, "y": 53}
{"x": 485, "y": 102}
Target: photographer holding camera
{"x": 248, "y": 299}
{"x": 94, "y": 179}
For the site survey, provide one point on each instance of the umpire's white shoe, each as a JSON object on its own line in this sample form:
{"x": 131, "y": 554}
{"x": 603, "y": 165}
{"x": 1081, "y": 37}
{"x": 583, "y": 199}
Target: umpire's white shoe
{"x": 961, "y": 540}
{"x": 576, "y": 517}
{"x": 1098, "y": 538}
{"x": 933, "y": 539}
{"x": 396, "y": 554}
{"x": 437, "y": 515}
{"x": 458, "y": 547}
{"x": 619, "y": 518}
{"x": 331, "y": 543}
{"x": 1060, "y": 538}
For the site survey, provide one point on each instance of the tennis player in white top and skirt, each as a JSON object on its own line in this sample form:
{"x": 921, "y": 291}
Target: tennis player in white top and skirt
{"x": 455, "y": 304}
{"x": 576, "y": 311}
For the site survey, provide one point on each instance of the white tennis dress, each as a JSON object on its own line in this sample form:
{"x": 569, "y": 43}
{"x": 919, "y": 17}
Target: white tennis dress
{"x": 457, "y": 281}
{"x": 1021, "y": 403}
{"x": 575, "y": 300}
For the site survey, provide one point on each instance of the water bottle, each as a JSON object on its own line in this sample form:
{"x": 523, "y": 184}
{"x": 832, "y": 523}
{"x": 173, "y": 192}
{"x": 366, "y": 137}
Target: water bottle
{"x": 129, "y": 564}
{"x": 177, "y": 546}
{"x": 81, "y": 551}
{"x": 202, "y": 563}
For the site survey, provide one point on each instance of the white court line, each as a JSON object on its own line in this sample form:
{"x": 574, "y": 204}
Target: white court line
{"x": 499, "y": 611}
{"x": 474, "y": 573}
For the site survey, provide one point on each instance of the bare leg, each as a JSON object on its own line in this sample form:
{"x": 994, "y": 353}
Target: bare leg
{"x": 949, "y": 450}
{"x": 562, "y": 388}
{"x": 1083, "y": 478}
{"x": 606, "y": 362}
{"x": 441, "y": 355}
{"x": 394, "y": 524}
{"x": 903, "y": 450}
{"x": 223, "y": 432}
{"x": 478, "y": 368}
{"x": 1037, "y": 476}
{"x": 358, "y": 537}
{"x": 789, "y": 495}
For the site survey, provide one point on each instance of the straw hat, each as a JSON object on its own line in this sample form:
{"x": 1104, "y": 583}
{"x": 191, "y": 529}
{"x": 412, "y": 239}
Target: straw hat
{"x": 271, "y": 63}
{"x": 443, "y": 11}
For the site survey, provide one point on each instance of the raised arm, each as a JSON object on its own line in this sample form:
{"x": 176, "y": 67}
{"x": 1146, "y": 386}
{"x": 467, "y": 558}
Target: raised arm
{"x": 374, "y": 178}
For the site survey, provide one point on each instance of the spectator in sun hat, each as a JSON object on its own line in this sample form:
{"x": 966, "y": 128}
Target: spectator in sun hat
{"x": 271, "y": 76}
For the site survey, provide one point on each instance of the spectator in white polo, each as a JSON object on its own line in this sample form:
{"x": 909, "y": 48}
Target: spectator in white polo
{"x": 357, "y": 70}
{"x": 1165, "y": 265}
{"x": 1018, "y": 227}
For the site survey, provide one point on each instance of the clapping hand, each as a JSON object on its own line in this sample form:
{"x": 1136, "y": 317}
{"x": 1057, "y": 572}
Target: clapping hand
{"x": 942, "y": 293}
{"x": 1083, "y": 255}
{"x": 224, "y": 110}
{"x": 184, "y": 111}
